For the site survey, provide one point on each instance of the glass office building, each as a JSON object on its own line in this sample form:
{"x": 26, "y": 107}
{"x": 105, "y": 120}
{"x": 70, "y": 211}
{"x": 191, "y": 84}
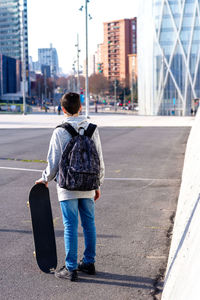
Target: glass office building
{"x": 49, "y": 57}
{"x": 11, "y": 29}
{"x": 168, "y": 56}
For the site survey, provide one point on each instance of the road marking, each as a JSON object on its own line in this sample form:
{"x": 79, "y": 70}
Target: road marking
{"x": 55, "y": 220}
{"x": 109, "y": 178}
{"x": 144, "y": 179}
{"x": 100, "y": 245}
{"x": 156, "y": 257}
{"x": 20, "y": 169}
{"x": 117, "y": 171}
{"x": 24, "y": 160}
{"x": 156, "y": 227}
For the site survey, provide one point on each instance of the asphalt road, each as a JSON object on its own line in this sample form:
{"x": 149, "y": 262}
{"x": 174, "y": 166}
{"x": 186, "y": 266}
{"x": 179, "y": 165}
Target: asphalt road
{"x": 133, "y": 217}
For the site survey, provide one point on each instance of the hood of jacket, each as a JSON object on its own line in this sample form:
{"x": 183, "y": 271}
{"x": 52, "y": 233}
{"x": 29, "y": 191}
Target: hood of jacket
{"x": 77, "y": 122}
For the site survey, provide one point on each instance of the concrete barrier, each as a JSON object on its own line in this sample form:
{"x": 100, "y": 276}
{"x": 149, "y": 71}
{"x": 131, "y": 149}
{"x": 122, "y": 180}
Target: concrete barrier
{"x": 182, "y": 280}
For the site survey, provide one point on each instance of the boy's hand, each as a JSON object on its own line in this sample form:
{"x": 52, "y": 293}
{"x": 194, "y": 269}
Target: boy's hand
{"x": 41, "y": 181}
{"x": 97, "y": 195}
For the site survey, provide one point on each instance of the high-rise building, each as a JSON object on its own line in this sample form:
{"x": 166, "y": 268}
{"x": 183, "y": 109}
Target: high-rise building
{"x": 34, "y": 65}
{"x": 8, "y": 75}
{"x": 13, "y": 27}
{"x": 120, "y": 39}
{"x": 99, "y": 59}
{"x": 133, "y": 73}
{"x": 49, "y": 57}
{"x": 91, "y": 65}
{"x": 46, "y": 71}
{"x": 168, "y": 56}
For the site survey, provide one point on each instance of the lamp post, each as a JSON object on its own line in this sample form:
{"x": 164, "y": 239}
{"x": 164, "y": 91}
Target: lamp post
{"x": 115, "y": 94}
{"x": 132, "y": 96}
{"x": 74, "y": 78}
{"x": 86, "y": 60}
{"x": 54, "y": 87}
{"x": 23, "y": 54}
{"x": 78, "y": 78}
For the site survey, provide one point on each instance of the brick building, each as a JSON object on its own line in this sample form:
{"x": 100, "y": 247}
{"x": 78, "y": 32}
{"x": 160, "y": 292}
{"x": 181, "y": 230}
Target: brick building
{"x": 120, "y": 40}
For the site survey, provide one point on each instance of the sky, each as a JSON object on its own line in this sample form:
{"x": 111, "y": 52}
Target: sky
{"x": 58, "y": 22}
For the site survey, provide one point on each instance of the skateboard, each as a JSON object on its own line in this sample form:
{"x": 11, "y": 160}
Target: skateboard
{"x": 43, "y": 229}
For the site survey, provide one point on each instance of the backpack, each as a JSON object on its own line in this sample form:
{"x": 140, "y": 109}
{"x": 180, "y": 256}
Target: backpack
{"x": 79, "y": 167}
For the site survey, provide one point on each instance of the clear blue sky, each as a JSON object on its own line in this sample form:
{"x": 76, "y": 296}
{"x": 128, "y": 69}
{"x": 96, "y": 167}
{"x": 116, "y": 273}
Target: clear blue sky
{"x": 58, "y": 22}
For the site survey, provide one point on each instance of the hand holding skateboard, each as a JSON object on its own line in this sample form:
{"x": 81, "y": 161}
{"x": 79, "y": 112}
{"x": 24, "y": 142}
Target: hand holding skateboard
{"x": 39, "y": 181}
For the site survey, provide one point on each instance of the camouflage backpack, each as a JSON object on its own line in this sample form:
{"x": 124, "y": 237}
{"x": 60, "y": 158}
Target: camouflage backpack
{"x": 79, "y": 167}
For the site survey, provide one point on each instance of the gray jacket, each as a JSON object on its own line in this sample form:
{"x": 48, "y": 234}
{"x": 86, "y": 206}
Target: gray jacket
{"x": 58, "y": 142}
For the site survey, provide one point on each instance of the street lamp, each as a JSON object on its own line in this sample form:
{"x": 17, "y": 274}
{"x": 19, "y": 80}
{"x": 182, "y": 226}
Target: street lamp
{"x": 86, "y": 59}
{"x": 78, "y": 78}
{"x": 23, "y": 56}
{"x": 115, "y": 94}
{"x": 73, "y": 82}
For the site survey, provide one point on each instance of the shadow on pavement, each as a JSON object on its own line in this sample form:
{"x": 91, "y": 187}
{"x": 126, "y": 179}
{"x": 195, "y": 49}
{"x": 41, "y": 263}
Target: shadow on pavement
{"x": 16, "y": 231}
{"x": 58, "y": 233}
{"x": 119, "y": 280}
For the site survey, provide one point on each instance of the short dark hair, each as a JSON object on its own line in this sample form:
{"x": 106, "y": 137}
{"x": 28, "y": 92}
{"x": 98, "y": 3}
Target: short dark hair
{"x": 71, "y": 102}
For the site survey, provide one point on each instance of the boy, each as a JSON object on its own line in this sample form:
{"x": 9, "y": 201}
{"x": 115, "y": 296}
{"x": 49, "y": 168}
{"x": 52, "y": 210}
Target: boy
{"x": 73, "y": 201}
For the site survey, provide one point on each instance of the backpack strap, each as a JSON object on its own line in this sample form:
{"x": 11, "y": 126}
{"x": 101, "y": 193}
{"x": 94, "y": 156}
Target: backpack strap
{"x": 90, "y": 130}
{"x": 69, "y": 128}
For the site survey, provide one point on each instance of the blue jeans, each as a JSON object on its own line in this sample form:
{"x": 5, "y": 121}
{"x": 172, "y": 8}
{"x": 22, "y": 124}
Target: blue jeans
{"x": 86, "y": 208}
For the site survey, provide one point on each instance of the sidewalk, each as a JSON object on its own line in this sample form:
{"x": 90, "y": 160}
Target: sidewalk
{"x": 102, "y": 120}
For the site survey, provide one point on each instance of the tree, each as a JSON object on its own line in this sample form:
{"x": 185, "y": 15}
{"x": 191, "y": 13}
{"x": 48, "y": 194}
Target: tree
{"x": 70, "y": 83}
{"x": 40, "y": 88}
{"x": 62, "y": 82}
{"x": 98, "y": 84}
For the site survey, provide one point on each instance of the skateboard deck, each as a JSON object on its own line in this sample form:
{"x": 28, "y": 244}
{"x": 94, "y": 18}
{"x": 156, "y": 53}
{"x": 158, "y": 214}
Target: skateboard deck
{"x": 43, "y": 229}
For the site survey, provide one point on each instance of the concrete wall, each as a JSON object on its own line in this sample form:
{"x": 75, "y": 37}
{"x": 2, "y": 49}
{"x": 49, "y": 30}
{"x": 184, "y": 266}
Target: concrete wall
{"x": 182, "y": 281}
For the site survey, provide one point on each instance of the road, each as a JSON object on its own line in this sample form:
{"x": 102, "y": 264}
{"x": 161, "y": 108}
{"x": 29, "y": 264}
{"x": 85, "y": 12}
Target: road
{"x": 133, "y": 217}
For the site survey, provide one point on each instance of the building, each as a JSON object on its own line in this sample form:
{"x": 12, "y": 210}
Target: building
{"x": 133, "y": 69}
{"x": 120, "y": 39}
{"x": 91, "y": 65}
{"x": 168, "y": 56}
{"x": 8, "y": 75}
{"x": 13, "y": 15}
{"x": 99, "y": 59}
{"x": 46, "y": 71}
{"x": 49, "y": 57}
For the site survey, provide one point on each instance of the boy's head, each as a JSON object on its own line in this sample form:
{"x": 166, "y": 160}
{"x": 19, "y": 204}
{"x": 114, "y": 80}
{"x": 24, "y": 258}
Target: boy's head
{"x": 71, "y": 103}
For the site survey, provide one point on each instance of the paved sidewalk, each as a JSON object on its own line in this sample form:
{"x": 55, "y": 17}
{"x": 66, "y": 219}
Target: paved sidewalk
{"x": 102, "y": 120}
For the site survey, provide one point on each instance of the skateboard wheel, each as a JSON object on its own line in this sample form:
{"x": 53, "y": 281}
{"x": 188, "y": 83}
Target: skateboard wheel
{"x": 34, "y": 254}
{"x": 28, "y": 204}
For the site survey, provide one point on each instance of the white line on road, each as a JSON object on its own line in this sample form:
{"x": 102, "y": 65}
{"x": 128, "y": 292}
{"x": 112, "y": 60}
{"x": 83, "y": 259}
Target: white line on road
{"x": 20, "y": 169}
{"x": 111, "y": 179}
{"x": 143, "y": 179}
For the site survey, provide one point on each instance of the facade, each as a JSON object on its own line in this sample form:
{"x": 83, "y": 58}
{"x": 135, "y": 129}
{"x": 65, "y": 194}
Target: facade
{"x": 120, "y": 39}
{"x": 46, "y": 71}
{"x": 91, "y": 65}
{"x": 8, "y": 75}
{"x": 13, "y": 14}
{"x": 168, "y": 56}
{"x": 99, "y": 59}
{"x": 49, "y": 57}
{"x": 133, "y": 69}
{"x": 35, "y": 67}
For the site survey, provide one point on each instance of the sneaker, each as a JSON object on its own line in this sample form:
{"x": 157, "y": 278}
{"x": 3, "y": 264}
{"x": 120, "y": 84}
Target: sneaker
{"x": 66, "y": 274}
{"x": 87, "y": 268}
